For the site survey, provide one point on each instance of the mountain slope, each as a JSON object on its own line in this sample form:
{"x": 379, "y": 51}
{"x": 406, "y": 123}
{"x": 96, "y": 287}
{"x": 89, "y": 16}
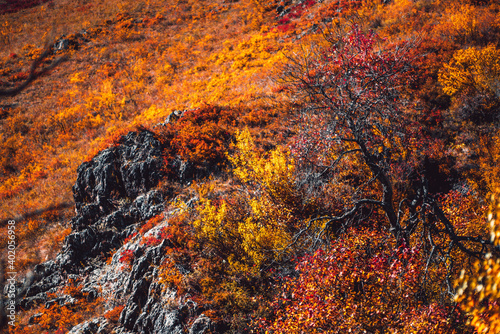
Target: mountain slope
{"x": 217, "y": 151}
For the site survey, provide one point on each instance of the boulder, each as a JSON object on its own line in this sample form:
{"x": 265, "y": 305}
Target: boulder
{"x": 114, "y": 193}
{"x": 119, "y": 173}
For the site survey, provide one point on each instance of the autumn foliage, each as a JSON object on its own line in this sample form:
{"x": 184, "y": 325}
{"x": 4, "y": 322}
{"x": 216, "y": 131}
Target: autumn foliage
{"x": 201, "y": 135}
{"x": 477, "y": 291}
{"x": 359, "y": 284}
{"x": 341, "y": 154}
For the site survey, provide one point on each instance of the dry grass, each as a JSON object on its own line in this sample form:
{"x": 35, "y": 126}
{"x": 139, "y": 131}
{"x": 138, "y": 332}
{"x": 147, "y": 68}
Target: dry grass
{"x": 136, "y": 62}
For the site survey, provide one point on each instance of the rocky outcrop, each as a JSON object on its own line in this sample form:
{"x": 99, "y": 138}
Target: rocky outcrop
{"x": 114, "y": 193}
{"x": 118, "y": 173}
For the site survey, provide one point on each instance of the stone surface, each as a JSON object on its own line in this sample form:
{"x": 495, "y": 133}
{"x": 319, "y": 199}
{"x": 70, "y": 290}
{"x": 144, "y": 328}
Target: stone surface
{"x": 114, "y": 194}
{"x": 93, "y": 326}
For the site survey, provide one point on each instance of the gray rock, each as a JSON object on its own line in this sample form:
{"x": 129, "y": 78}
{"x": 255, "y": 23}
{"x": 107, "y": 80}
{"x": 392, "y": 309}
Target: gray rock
{"x": 113, "y": 195}
{"x": 201, "y": 325}
{"x": 129, "y": 316}
{"x": 93, "y": 326}
{"x": 61, "y": 44}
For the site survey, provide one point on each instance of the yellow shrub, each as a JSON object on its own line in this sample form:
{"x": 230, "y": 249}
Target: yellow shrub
{"x": 479, "y": 292}
{"x": 275, "y": 173}
{"x": 463, "y": 20}
{"x": 213, "y": 225}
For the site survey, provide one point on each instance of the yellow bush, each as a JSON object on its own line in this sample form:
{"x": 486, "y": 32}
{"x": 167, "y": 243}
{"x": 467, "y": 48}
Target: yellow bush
{"x": 252, "y": 230}
{"x": 479, "y": 291}
{"x": 472, "y": 68}
{"x": 463, "y": 20}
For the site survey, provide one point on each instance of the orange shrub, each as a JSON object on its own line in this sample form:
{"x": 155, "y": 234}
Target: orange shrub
{"x": 127, "y": 257}
{"x": 57, "y": 317}
{"x": 201, "y": 135}
{"x": 359, "y": 285}
{"x": 151, "y": 223}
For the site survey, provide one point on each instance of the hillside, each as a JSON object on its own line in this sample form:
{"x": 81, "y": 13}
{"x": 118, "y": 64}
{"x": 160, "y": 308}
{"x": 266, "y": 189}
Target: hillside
{"x": 249, "y": 167}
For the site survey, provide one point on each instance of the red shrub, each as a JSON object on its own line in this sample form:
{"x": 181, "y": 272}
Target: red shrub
{"x": 127, "y": 256}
